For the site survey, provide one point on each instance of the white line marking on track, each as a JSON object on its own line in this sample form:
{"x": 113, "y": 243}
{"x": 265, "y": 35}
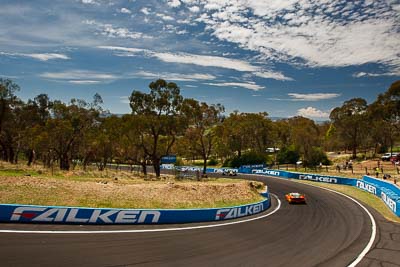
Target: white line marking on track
{"x": 146, "y": 230}
{"x": 373, "y": 225}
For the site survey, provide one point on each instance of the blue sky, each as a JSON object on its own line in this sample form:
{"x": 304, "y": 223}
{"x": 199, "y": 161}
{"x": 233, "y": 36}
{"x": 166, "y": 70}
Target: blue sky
{"x": 292, "y": 57}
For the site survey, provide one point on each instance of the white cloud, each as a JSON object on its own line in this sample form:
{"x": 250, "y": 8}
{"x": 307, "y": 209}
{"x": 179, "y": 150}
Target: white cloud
{"x": 124, "y": 99}
{"x": 84, "y": 82}
{"x": 79, "y": 76}
{"x": 394, "y": 71}
{"x": 123, "y": 49}
{"x": 194, "y": 9}
{"x": 273, "y": 75}
{"x": 38, "y": 56}
{"x": 313, "y": 97}
{"x": 125, "y": 11}
{"x": 206, "y": 61}
{"x": 174, "y": 3}
{"x": 311, "y": 112}
{"x": 202, "y": 60}
{"x": 249, "y": 85}
{"x": 165, "y": 17}
{"x": 92, "y": 2}
{"x": 145, "y": 10}
{"x": 174, "y": 76}
{"x": 110, "y": 31}
{"x": 359, "y": 74}
{"x": 312, "y": 33}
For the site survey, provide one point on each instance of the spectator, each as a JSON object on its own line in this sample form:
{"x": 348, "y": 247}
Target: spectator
{"x": 377, "y": 171}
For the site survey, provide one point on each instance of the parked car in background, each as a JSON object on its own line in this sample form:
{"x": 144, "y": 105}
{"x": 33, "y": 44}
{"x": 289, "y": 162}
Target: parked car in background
{"x": 387, "y": 156}
{"x": 395, "y": 158}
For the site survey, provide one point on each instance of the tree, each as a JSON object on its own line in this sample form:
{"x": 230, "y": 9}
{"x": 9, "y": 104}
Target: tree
{"x": 131, "y": 140}
{"x": 8, "y": 100}
{"x": 304, "y": 135}
{"x": 202, "y": 120}
{"x": 385, "y": 115}
{"x": 288, "y": 155}
{"x": 67, "y": 127}
{"x": 350, "y": 121}
{"x": 246, "y": 131}
{"x": 160, "y": 114}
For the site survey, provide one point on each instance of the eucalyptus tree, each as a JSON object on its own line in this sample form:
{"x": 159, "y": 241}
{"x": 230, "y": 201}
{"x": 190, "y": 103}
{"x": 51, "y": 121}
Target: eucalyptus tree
{"x": 350, "y": 122}
{"x": 305, "y": 136}
{"x": 201, "y": 132}
{"x": 161, "y": 120}
{"x": 385, "y": 114}
{"x": 131, "y": 141}
{"x": 8, "y": 101}
{"x": 67, "y": 127}
{"x": 247, "y": 131}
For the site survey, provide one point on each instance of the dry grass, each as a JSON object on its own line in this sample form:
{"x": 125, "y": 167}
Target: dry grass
{"x": 367, "y": 198}
{"x": 36, "y": 186}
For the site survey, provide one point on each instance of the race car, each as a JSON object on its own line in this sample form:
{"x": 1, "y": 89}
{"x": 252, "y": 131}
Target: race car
{"x": 295, "y": 198}
{"x": 229, "y": 172}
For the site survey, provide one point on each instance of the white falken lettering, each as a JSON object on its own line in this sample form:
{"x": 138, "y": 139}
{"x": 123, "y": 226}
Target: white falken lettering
{"x": 72, "y": 217}
{"x": 389, "y": 202}
{"x": 232, "y": 213}
{"x": 318, "y": 178}
{"x": 51, "y": 215}
{"x": 42, "y": 214}
{"x": 18, "y": 212}
{"x": 268, "y": 172}
{"x": 366, "y": 187}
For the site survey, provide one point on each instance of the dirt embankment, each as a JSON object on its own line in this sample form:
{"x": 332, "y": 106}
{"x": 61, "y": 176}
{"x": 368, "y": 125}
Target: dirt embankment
{"x": 123, "y": 193}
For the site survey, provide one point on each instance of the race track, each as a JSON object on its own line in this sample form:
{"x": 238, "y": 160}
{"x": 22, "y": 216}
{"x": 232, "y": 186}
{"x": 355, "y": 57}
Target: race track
{"x": 330, "y": 230}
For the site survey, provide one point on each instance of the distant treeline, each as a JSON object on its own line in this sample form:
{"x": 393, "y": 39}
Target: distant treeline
{"x": 163, "y": 122}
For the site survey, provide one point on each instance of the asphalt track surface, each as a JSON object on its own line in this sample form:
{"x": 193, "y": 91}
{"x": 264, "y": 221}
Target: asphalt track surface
{"x": 330, "y": 230}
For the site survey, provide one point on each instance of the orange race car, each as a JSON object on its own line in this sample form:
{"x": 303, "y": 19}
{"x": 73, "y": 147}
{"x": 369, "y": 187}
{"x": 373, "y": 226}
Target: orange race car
{"x": 295, "y": 198}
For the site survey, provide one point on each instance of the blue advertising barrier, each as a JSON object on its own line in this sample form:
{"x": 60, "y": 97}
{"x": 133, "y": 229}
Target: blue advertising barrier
{"x": 168, "y": 159}
{"x": 306, "y": 176}
{"x": 382, "y": 183}
{"x": 369, "y": 187}
{"x": 327, "y": 179}
{"x": 389, "y": 193}
{"x": 276, "y": 173}
{"x": 76, "y": 215}
{"x": 250, "y": 168}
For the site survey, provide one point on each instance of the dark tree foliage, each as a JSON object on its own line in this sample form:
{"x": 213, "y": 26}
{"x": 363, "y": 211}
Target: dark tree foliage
{"x": 288, "y": 155}
{"x": 248, "y": 158}
{"x": 163, "y": 122}
{"x": 350, "y": 121}
{"x": 160, "y": 114}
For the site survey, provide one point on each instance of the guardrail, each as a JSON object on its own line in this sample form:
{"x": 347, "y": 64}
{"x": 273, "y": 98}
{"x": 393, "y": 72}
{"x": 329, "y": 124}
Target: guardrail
{"x": 14, "y": 213}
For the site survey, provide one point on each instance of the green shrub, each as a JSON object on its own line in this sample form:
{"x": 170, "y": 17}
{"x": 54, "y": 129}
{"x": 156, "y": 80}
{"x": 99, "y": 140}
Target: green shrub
{"x": 212, "y": 161}
{"x": 316, "y": 157}
{"x": 288, "y": 155}
{"x": 248, "y": 159}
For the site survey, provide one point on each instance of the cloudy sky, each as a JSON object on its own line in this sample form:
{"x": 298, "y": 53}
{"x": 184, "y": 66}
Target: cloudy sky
{"x": 291, "y": 57}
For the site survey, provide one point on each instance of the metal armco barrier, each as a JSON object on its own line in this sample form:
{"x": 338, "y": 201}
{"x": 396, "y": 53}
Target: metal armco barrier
{"x": 76, "y": 215}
